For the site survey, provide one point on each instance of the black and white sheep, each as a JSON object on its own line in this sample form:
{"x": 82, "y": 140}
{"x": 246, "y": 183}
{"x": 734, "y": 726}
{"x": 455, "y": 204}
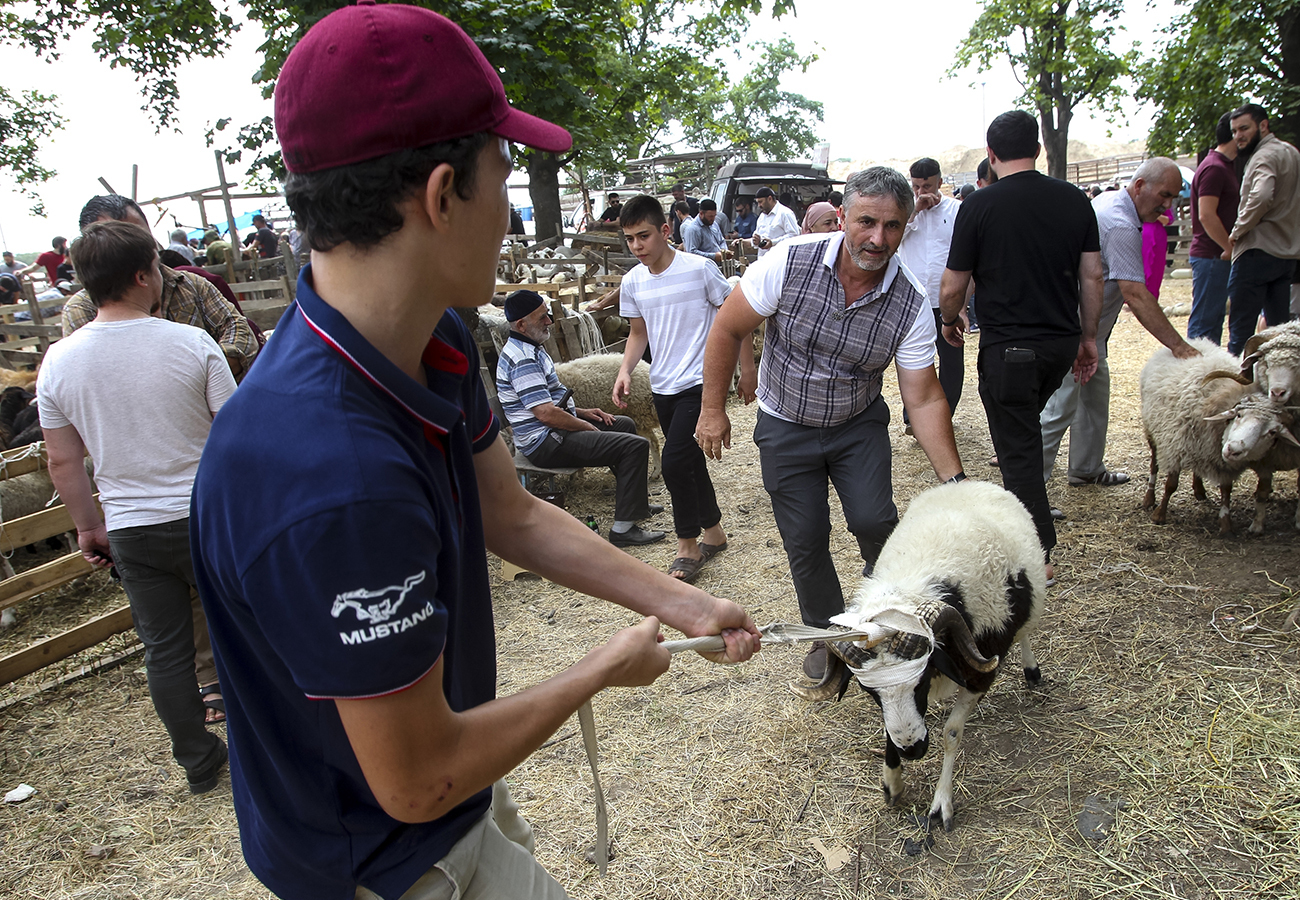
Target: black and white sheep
{"x": 1187, "y": 405}
{"x": 960, "y": 580}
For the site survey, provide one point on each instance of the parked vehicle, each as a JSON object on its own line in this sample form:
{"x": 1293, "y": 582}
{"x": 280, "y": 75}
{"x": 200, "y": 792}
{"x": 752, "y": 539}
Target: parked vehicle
{"x": 805, "y": 183}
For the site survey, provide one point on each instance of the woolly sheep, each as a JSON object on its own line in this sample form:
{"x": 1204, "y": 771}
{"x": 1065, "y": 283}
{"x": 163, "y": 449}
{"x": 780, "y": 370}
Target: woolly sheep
{"x": 1271, "y": 360}
{"x": 23, "y": 495}
{"x": 592, "y": 380}
{"x": 1283, "y": 456}
{"x": 964, "y": 566}
{"x": 1186, "y": 405}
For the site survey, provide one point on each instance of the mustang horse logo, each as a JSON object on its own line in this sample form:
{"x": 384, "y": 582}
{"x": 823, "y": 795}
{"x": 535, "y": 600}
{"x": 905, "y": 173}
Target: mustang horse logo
{"x": 376, "y": 612}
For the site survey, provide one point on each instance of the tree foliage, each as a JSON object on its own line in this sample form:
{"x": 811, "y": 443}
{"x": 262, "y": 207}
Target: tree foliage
{"x": 1219, "y": 55}
{"x": 1060, "y": 53}
{"x": 25, "y": 118}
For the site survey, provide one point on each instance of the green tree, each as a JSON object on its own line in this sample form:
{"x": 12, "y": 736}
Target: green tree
{"x": 1218, "y": 56}
{"x": 1060, "y": 53}
{"x": 25, "y": 119}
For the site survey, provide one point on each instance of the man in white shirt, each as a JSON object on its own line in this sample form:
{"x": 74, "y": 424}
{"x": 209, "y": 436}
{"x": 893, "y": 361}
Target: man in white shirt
{"x": 776, "y": 223}
{"x": 924, "y": 251}
{"x": 139, "y": 392}
{"x": 670, "y": 302}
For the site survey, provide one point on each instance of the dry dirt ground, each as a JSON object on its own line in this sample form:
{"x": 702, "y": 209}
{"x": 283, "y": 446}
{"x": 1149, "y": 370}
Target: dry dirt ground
{"x": 1170, "y": 708}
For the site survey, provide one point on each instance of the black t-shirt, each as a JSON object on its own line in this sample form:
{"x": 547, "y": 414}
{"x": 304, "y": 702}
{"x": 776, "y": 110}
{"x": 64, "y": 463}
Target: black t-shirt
{"x": 1022, "y": 237}
{"x": 611, "y": 213}
{"x": 268, "y": 244}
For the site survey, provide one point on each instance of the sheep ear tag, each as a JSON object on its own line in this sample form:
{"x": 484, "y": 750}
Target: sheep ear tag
{"x": 943, "y": 662}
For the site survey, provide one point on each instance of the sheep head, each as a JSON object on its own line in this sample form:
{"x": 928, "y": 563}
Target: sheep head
{"x": 1254, "y": 425}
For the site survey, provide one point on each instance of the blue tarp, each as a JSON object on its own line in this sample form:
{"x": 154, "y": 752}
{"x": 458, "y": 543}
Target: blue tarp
{"x": 244, "y": 223}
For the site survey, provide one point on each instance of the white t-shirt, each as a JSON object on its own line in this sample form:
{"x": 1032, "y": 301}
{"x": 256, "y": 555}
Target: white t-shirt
{"x": 926, "y": 240}
{"x": 679, "y": 306}
{"x": 141, "y": 394}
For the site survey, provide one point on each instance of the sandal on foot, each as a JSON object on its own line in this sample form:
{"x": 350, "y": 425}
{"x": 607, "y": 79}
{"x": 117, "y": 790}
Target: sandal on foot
{"x": 993, "y": 461}
{"x": 1105, "y": 479}
{"x": 684, "y": 568}
{"x": 708, "y": 551}
{"x": 215, "y": 705}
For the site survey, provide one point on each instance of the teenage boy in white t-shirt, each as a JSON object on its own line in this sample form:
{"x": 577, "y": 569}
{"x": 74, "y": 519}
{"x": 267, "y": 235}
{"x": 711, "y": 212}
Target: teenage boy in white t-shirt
{"x": 139, "y": 392}
{"x": 670, "y": 300}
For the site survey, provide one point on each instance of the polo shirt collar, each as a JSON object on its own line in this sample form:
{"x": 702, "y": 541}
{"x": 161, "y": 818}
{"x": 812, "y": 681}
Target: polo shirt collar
{"x": 832, "y": 253}
{"x": 422, "y": 404}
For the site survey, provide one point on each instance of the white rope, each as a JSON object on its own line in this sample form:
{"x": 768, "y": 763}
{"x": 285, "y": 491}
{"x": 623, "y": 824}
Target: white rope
{"x": 776, "y": 632}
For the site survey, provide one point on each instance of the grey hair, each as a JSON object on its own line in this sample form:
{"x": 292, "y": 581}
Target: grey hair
{"x": 881, "y": 181}
{"x": 1157, "y": 168}
{"x": 180, "y": 236}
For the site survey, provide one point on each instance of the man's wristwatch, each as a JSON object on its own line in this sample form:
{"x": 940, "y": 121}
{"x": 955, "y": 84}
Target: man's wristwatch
{"x": 947, "y": 324}
{"x": 959, "y": 477}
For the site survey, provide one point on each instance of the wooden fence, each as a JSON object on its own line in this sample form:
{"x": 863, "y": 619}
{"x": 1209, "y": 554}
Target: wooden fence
{"x": 26, "y": 585}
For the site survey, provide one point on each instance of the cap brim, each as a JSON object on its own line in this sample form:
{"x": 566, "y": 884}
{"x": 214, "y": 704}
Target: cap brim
{"x": 533, "y": 132}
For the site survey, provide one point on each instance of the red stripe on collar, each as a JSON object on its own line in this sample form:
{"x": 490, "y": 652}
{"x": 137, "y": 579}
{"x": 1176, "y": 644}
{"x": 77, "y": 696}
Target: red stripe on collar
{"x": 338, "y": 348}
{"x": 444, "y": 357}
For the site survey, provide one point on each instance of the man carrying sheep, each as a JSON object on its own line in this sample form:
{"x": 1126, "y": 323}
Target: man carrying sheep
{"x": 139, "y": 393}
{"x": 341, "y": 554}
{"x": 555, "y": 433}
{"x": 670, "y": 302}
{"x": 841, "y": 308}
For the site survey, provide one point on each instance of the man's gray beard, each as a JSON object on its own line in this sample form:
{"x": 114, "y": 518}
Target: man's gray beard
{"x": 855, "y": 254}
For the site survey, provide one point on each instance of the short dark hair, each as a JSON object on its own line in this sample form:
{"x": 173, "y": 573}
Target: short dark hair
{"x": 682, "y": 206}
{"x": 114, "y": 206}
{"x": 59, "y": 243}
{"x": 707, "y": 203}
{"x": 613, "y": 196}
{"x": 1223, "y": 131}
{"x": 678, "y": 187}
{"x": 358, "y": 204}
{"x": 748, "y": 201}
{"x": 1013, "y": 135}
{"x": 764, "y": 192}
{"x": 983, "y": 170}
{"x": 263, "y": 218}
{"x": 1254, "y": 110}
{"x": 109, "y": 255}
{"x": 835, "y": 199}
{"x": 171, "y": 259}
{"x": 925, "y": 167}
{"x": 642, "y": 208}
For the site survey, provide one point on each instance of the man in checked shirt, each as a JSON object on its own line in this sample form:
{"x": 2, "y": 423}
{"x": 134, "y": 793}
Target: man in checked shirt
{"x": 186, "y": 298}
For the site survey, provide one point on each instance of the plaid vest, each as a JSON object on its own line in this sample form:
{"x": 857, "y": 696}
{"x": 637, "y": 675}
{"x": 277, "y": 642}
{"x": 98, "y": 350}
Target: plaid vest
{"x": 822, "y": 363}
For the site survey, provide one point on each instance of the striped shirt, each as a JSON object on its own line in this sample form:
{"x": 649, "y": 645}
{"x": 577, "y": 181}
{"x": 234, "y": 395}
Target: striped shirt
{"x": 526, "y": 378}
{"x": 1120, "y": 230}
{"x": 823, "y": 358}
{"x": 678, "y": 306}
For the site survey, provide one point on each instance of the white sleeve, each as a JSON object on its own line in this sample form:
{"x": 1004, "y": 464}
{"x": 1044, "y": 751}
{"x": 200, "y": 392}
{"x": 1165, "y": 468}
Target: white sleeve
{"x": 627, "y": 307}
{"x": 763, "y": 281}
{"x": 221, "y": 384}
{"x": 716, "y": 288}
{"x": 917, "y": 348}
{"x": 786, "y": 226}
{"x": 47, "y": 405}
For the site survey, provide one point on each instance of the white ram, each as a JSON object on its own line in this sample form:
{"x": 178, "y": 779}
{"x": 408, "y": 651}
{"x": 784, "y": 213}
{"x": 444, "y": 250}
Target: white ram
{"x": 592, "y": 380}
{"x": 960, "y": 580}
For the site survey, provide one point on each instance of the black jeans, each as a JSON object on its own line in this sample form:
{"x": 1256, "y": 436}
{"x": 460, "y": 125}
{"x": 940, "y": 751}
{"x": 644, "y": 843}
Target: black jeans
{"x": 686, "y": 471}
{"x": 1258, "y": 282}
{"x": 157, "y": 574}
{"x": 618, "y": 446}
{"x": 1014, "y": 394}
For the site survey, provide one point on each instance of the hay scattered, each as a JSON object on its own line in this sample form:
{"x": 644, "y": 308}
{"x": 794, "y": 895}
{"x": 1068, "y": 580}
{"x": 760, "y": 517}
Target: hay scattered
{"x": 719, "y": 780}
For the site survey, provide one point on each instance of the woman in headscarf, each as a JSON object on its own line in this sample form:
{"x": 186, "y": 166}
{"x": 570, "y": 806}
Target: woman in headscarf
{"x": 821, "y": 218}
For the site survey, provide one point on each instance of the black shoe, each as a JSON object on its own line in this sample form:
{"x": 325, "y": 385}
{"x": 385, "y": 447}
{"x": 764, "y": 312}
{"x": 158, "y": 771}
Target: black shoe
{"x": 814, "y": 664}
{"x": 634, "y": 537}
{"x": 206, "y": 779}
{"x": 655, "y": 509}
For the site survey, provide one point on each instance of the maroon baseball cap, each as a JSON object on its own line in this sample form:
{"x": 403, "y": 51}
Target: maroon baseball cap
{"x": 369, "y": 80}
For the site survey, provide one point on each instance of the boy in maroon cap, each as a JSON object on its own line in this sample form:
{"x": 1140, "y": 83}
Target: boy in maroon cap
{"x": 344, "y": 570}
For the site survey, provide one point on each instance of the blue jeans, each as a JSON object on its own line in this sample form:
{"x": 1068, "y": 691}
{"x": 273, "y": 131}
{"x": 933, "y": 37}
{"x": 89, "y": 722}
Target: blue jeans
{"x": 1209, "y": 298}
{"x": 1259, "y": 283}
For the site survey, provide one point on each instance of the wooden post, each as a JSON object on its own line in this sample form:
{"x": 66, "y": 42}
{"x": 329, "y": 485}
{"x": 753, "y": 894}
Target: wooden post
{"x": 233, "y": 233}
{"x": 290, "y": 267}
{"x": 135, "y": 180}
{"x": 108, "y": 187}
{"x": 203, "y": 211}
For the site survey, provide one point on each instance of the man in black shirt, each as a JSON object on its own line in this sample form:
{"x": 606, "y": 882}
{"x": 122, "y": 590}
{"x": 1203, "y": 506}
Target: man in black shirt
{"x": 267, "y": 243}
{"x": 613, "y": 210}
{"x": 1031, "y": 244}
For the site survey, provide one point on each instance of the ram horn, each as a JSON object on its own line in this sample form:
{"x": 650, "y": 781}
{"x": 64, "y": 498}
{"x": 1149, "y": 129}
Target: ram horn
{"x": 949, "y": 620}
{"x": 1239, "y": 377}
{"x": 833, "y": 683}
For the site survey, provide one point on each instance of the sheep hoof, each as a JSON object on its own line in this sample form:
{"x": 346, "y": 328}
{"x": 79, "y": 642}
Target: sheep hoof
{"x": 891, "y": 799}
{"x": 1255, "y": 529}
{"x": 1033, "y": 676}
{"x": 1159, "y": 517}
{"x": 1149, "y": 499}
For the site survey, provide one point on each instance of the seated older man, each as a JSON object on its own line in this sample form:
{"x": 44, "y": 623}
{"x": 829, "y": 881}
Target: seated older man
{"x": 554, "y": 433}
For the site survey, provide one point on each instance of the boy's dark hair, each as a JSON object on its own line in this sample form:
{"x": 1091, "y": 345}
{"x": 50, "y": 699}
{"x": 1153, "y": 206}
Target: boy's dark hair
{"x": 925, "y": 167}
{"x": 109, "y": 255}
{"x": 682, "y": 206}
{"x": 358, "y": 204}
{"x": 642, "y": 208}
{"x": 1013, "y": 135}
{"x": 115, "y": 206}
{"x": 171, "y": 259}
{"x": 835, "y": 199}
{"x": 1223, "y": 131}
{"x": 1254, "y": 110}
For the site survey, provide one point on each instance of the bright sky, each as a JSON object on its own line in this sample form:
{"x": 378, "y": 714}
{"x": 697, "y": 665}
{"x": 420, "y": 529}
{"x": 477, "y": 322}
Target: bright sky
{"x": 880, "y": 76}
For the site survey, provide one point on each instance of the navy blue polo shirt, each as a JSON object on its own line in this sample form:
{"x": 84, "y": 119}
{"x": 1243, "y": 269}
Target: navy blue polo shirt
{"x": 338, "y": 546}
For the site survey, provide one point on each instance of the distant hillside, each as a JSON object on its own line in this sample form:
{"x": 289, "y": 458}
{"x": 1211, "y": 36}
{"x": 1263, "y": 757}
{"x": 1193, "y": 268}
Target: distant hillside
{"x": 959, "y": 159}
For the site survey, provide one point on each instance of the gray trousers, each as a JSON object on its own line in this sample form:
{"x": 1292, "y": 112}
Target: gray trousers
{"x": 1084, "y": 409}
{"x": 157, "y": 575}
{"x": 797, "y": 463}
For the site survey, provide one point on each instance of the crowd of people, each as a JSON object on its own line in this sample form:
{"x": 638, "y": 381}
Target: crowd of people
{"x": 341, "y": 555}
